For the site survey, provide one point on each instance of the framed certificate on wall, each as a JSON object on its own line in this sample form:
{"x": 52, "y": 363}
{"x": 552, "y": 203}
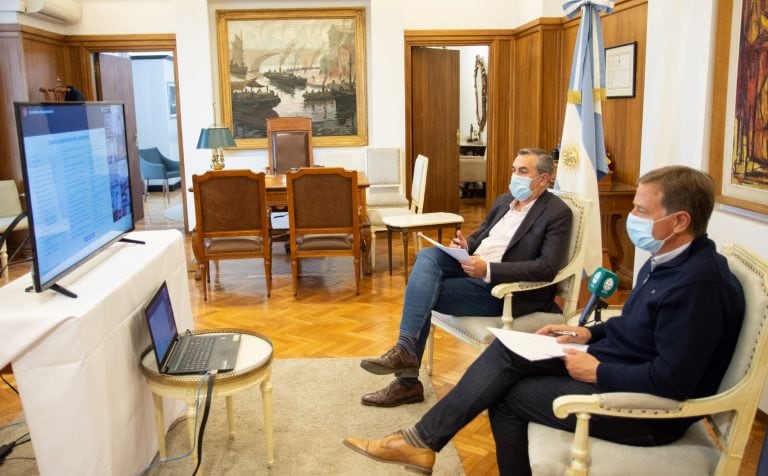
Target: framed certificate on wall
{"x": 620, "y": 71}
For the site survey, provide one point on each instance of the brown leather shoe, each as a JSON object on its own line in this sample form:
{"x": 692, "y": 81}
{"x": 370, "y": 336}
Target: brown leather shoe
{"x": 395, "y": 360}
{"x": 394, "y": 394}
{"x": 394, "y": 449}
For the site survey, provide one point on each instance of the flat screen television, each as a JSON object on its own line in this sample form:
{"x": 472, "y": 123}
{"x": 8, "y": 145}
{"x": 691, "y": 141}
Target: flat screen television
{"x": 75, "y": 165}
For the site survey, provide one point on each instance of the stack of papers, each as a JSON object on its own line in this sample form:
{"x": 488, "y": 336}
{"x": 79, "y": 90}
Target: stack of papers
{"x": 533, "y": 346}
{"x": 459, "y": 254}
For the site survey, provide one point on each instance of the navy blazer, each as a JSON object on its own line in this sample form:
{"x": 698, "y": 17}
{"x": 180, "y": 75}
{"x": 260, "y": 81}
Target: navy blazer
{"x": 536, "y": 252}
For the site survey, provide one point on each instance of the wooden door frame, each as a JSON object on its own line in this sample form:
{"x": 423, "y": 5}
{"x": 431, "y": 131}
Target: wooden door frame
{"x": 82, "y": 50}
{"x": 498, "y": 137}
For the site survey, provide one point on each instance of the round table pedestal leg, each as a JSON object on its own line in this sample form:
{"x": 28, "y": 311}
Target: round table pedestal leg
{"x": 230, "y": 417}
{"x": 160, "y": 424}
{"x": 191, "y": 426}
{"x": 266, "y": 397}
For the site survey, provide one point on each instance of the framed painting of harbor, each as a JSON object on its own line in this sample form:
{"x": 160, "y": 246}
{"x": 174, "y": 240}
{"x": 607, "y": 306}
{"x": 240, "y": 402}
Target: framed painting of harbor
{"x": 739, "y": 139}
{"x": 293, "y": 62}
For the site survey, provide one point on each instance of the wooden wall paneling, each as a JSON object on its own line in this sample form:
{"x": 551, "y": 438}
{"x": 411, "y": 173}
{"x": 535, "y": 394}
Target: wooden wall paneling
{"x": 623, "y": 117}
{"x": 527, "y": 93}
{"x": 45, "y": 61}
{"x": 536, "y": 72}
{"x": 11, "y": 89}
{"x": 81, "y": 71}
{"x": 499, "y": 153}
{"x": 552, "y": 108}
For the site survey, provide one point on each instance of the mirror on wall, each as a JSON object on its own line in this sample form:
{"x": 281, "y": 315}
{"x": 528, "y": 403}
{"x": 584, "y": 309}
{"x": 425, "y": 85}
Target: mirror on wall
{"x": 481, "y": 94}
{"x": 472, "y": 157}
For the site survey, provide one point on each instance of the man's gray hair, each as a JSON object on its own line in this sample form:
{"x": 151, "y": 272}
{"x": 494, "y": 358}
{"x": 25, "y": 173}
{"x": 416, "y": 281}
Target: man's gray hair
{"x": 544, "y": 162}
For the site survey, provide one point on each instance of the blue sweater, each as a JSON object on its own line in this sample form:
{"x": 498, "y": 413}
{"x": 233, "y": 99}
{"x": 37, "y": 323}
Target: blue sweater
{"x": 678, "y": 328}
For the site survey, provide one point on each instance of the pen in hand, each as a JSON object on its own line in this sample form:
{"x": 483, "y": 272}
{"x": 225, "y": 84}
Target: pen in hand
{"x": 563, "y": 333}
{"x": 456, "y": 242}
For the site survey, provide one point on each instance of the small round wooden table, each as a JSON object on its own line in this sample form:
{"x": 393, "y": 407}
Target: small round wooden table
{"x": 254, "y": 366}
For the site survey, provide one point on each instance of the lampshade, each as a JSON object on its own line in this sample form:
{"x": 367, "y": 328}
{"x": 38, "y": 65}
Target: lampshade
{"x": 215, "y": 136}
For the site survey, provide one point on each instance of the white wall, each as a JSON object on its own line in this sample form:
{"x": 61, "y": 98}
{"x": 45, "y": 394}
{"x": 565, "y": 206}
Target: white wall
{"x": 678, "y": 87}
{"x": 154, "y": 125}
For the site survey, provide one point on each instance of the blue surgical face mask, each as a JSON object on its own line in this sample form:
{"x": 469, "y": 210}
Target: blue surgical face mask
{"x": 520, "y": 187}
{"x": 640, "y": 231}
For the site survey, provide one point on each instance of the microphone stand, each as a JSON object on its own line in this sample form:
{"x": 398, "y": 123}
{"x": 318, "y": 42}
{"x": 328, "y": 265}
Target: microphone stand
{"x": 598, "y": 310}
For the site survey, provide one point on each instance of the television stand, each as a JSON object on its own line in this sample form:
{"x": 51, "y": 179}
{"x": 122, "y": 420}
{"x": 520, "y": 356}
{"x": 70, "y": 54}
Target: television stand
{"x": 131, "y": 240}
{"x": 58, "y": 289}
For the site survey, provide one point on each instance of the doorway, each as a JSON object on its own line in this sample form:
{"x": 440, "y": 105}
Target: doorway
{"x": 160, "y": 52}
{"x": 495, "y": 141}
{"x": 146, "y": 84}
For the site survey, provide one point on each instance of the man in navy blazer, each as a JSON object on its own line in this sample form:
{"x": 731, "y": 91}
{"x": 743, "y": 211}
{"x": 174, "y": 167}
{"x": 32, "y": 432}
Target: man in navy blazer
{"x": 524, "y": 238}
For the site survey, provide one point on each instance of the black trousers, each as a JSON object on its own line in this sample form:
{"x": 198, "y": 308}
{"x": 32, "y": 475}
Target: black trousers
{"x": 517, "y": 391}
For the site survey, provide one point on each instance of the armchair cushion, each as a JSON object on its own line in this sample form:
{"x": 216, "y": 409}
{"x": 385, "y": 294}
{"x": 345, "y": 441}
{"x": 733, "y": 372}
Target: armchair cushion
{"x": 386, "y": 199}
{"x": 240, "y": 244}
{"x": 549, "y": 452}
{"x": 325, "y": 242}
{"x": 475, "y": 328}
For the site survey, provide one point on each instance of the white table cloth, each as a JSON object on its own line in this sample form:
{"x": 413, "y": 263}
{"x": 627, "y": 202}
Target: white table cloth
{"x": 76, "y": 361}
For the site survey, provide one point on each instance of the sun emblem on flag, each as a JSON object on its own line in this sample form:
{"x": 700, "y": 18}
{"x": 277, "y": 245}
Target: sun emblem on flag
{"x": 569, "y": 157}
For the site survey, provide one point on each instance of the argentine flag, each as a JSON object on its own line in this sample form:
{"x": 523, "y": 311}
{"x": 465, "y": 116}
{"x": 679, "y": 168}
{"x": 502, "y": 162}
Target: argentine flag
{"x": 582, "y": 147}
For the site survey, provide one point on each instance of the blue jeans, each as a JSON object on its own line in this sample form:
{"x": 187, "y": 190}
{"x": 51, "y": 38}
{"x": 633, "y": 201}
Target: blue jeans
{"x": 517, "y": 391}
{"x": 438, "y": 282}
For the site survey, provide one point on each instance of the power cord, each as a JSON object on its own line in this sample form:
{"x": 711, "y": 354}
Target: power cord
{"x": 6, "y": 449}
{"x": 208, "y": 395}
{"x": 9, "y": 384}
{"x": 13, "y": 256}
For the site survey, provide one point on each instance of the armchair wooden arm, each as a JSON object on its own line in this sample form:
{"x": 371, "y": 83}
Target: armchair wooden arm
{"x": 568, "y": 275}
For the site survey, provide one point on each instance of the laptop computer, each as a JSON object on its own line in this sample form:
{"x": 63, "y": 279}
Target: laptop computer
{"x": 186, "y": 354}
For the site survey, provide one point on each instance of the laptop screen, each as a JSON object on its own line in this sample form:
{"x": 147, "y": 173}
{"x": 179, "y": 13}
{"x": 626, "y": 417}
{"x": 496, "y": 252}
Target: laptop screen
{"x": 162, "y": 325}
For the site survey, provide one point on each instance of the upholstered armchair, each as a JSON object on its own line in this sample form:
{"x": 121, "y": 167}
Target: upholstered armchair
{"x": 156, "y": 166}
{"x": 714, "y": 445}
{"x": 232, "y": 220}
{"x": 289, "y": 143}
{"x": 474, "y": 330}
{"x": 324, "y": 217}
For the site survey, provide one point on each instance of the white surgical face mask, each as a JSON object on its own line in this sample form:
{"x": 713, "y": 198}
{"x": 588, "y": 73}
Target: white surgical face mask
{"x": 640, "y": 231}
{"x": 520, "y": 187}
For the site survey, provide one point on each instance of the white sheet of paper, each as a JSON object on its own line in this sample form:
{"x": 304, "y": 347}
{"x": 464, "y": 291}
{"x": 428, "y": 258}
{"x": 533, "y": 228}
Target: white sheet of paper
{"x": 533, "y": 346}
{"x": 459, "y": 254}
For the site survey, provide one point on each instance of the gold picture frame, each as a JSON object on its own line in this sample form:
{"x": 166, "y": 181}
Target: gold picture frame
{"x": 738, "y": 160}
{"x": 293, "y": 62}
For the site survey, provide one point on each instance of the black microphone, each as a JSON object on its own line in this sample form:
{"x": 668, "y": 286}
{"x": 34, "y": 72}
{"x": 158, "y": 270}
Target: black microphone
{"x": 602, "y": 284}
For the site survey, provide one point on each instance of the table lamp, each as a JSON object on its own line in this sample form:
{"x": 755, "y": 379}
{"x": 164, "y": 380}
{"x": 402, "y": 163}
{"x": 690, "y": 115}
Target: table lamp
{"x": 216, "y": 137}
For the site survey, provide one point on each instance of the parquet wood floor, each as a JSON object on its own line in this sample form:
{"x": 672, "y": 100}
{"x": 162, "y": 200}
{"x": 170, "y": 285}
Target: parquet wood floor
{"x": 328, "y": 320}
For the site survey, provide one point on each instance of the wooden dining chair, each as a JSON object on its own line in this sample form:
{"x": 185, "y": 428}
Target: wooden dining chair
{"x": 232, "y": 220}
{"x": 324, "y": 217}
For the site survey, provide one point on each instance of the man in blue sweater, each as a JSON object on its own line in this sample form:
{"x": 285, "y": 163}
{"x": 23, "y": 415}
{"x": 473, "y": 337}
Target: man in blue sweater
{"x": 675, "y": 338}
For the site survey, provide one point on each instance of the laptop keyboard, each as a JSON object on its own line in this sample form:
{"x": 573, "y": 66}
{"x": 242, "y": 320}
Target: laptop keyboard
{"x": 197, "y": 353}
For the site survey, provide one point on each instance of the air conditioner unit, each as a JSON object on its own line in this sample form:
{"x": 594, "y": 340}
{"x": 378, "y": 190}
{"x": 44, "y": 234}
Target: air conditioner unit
{"x": 62, "y": 11}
